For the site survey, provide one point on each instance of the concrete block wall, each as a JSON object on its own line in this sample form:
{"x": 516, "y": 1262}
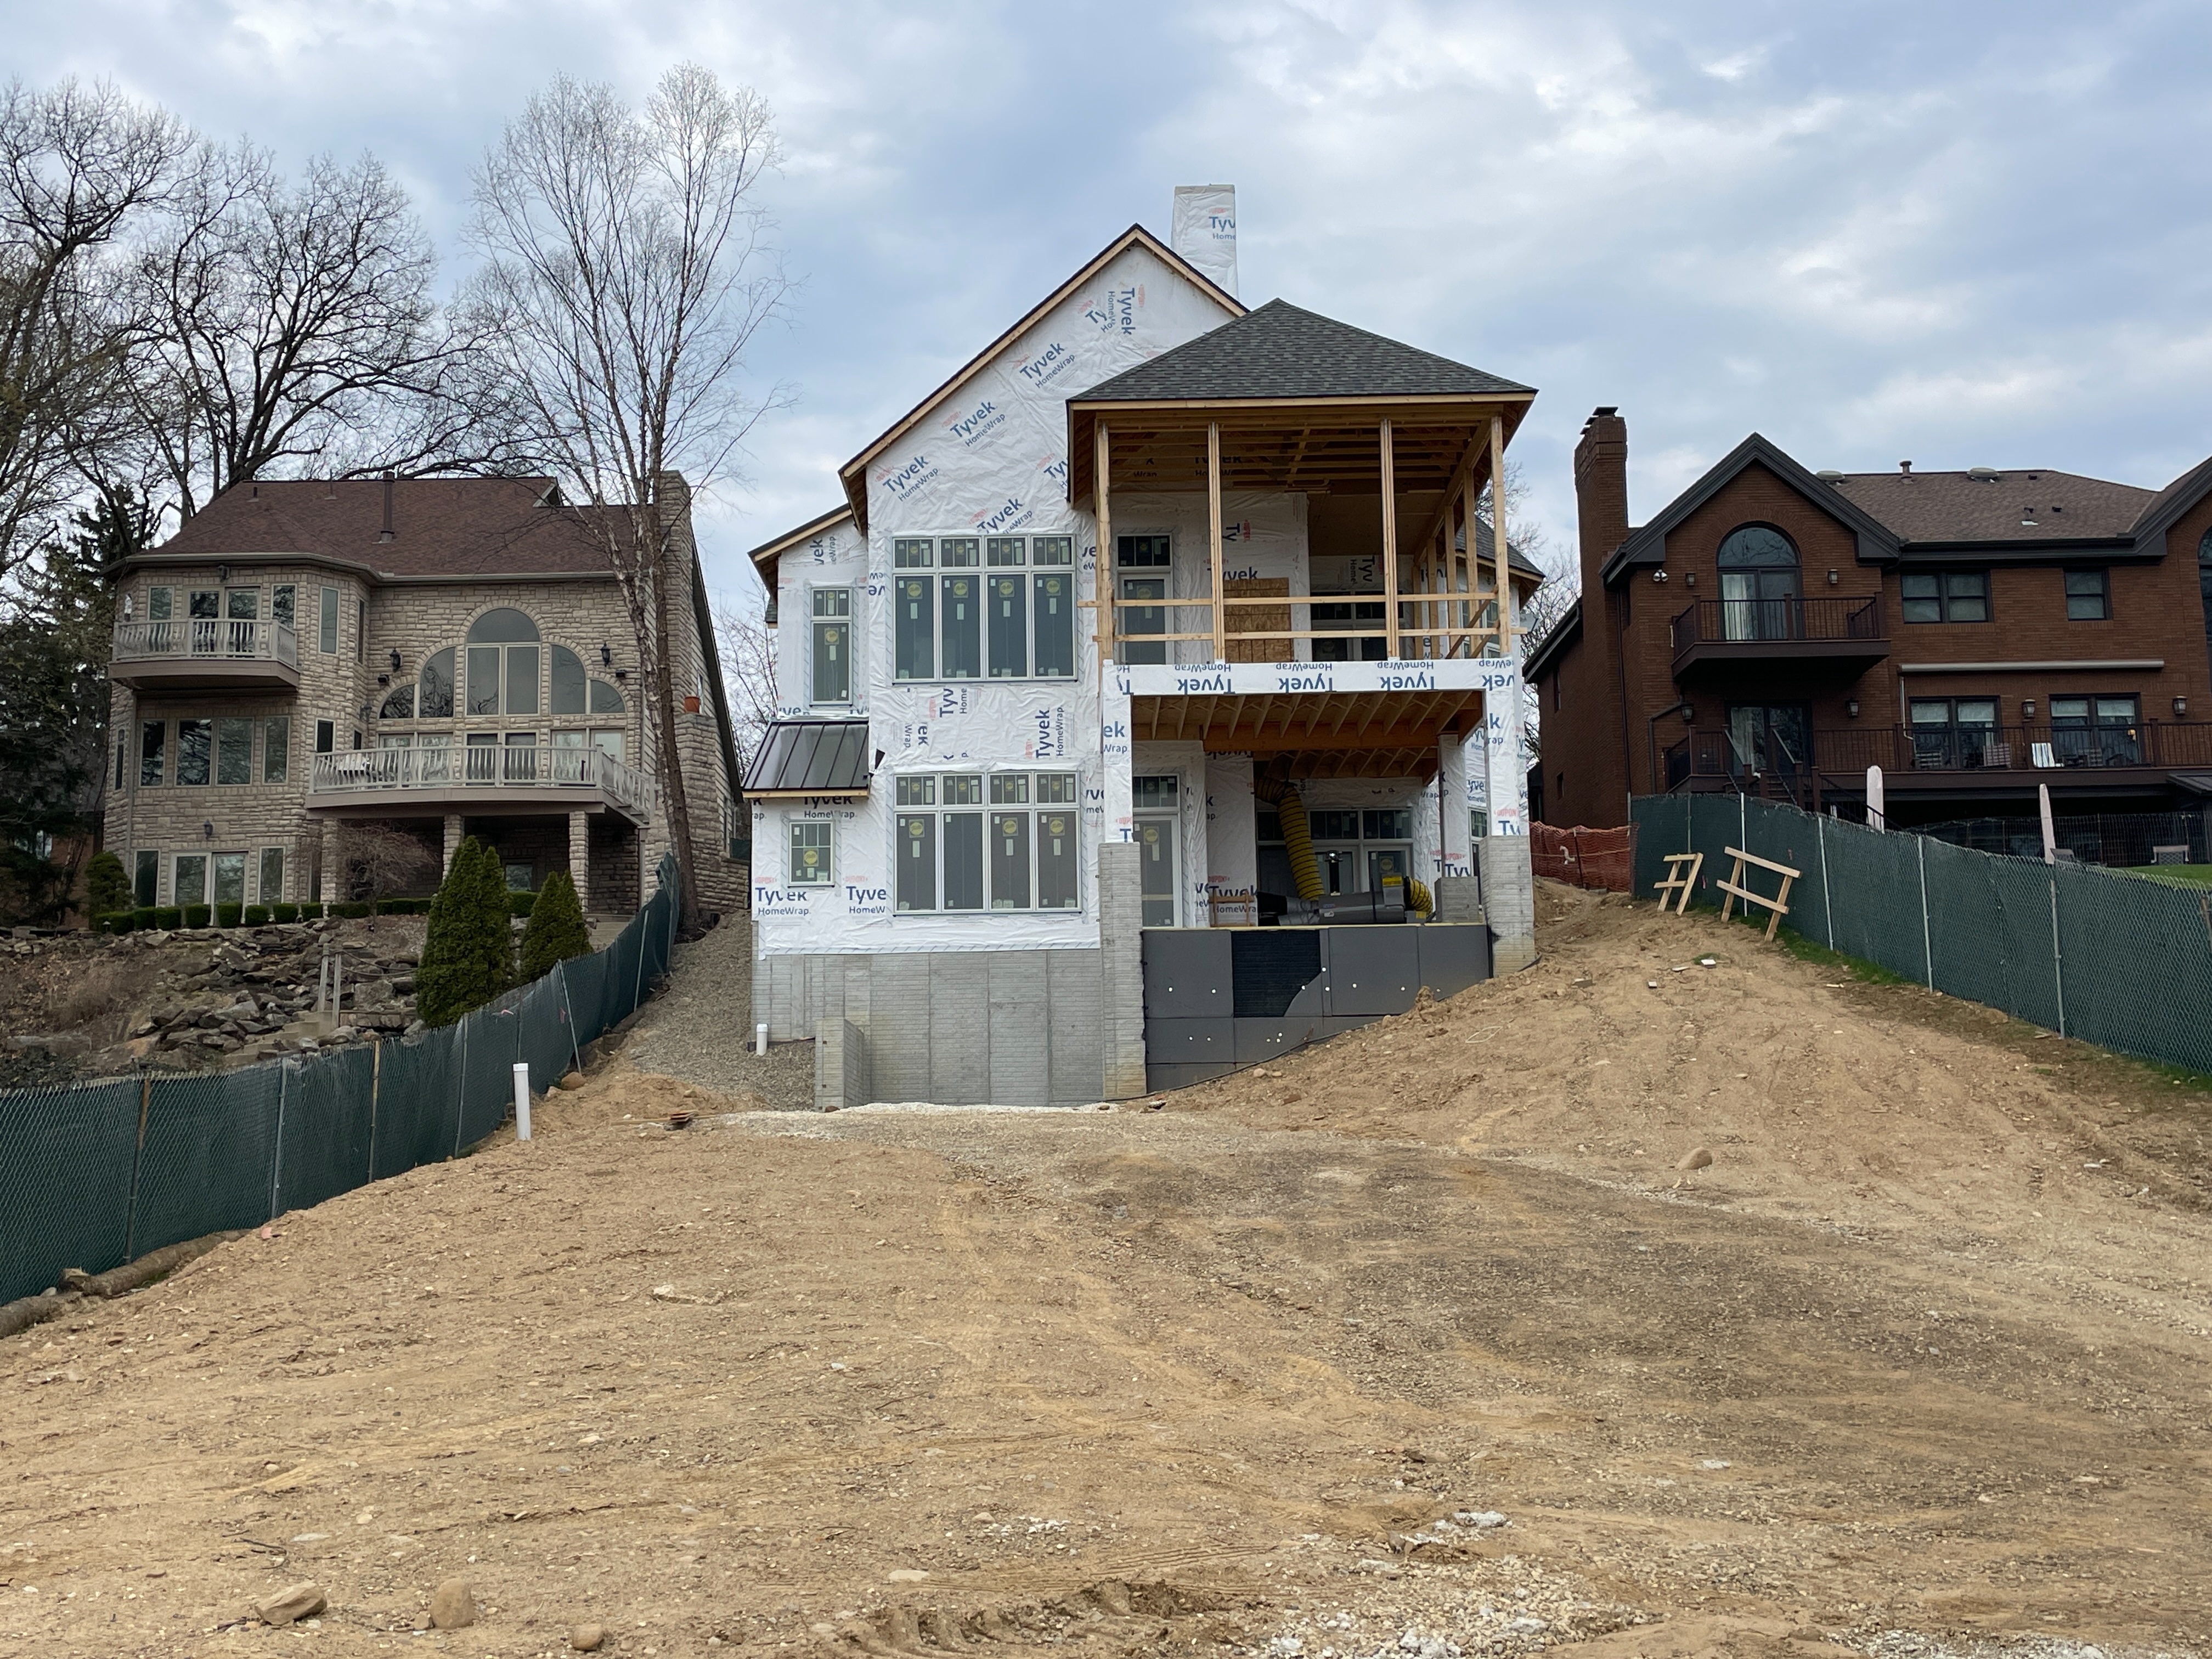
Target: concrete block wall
{"x": 1005, "y": 1028}
{"x": 1122, "y": 971}
{"x": 1509, "y": 900}
{"x": 841, "y": 1066}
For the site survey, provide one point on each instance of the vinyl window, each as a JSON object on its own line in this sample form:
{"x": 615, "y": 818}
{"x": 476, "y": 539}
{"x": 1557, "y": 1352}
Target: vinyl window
{"x": 195, "y": 750}
{"x": 152, "y": 752}
{"x": 233, "y": 750}
{"x": 833, "y": 645}
{"x": 1954, "y": 596}
{"x": 2088, "y": 596}
{"x": 1014, "y": 620}
{"x": 812, "y": 861}
{"x": 276, "y": 748}
{"x": 326, "y": 623}
{"x": 272, "y": 875}
{"x": 966, "y": 842}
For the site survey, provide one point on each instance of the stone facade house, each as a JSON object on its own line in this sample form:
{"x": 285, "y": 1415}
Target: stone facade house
{"x": 444, "y": 657}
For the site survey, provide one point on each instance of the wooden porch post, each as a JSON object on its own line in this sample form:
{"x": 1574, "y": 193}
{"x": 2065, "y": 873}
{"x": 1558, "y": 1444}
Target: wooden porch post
{"x": 1109, "y": 618}
{"x": 1497, "y": 535}
{"x": 1213, "y": 534}
{"x": 1390, "y": 543}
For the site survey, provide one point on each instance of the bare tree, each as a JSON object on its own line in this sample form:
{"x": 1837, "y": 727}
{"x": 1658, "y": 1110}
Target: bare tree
{"x": 382, "y": 862}
{"x": 749, "y": 677}
{"x": 281, "y": 324}
{"x": 78, "y": 166}
{"x": 627, "y": 270}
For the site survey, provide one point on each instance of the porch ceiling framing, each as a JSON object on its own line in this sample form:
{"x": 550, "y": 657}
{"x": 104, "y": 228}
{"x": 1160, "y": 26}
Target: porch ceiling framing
{"x": 1316, "y": 733}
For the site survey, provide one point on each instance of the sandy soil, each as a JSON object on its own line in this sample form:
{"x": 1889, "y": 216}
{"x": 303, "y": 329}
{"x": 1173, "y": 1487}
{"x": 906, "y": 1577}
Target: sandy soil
{"x": 1924, "y": 1350}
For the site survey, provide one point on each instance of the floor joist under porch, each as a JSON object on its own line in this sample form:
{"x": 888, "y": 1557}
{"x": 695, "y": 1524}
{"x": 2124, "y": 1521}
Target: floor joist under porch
{"x": 1320, "y": 734}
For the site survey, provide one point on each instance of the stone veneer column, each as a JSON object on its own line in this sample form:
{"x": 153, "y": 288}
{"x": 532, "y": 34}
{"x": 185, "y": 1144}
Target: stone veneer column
{"x": 580, "y": 856}
{"x": 456, "y": 828}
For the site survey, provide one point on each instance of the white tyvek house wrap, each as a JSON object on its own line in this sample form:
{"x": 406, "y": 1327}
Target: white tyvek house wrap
{"x": 991, "y": 461}
{"x": 1205, "y": 230}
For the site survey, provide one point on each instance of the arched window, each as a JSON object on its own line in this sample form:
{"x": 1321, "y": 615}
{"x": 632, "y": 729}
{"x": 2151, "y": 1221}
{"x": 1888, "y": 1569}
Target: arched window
{"x": 606, "y": 700}
{"x": 436, "y": 701}
{"x": 398, "y": 705}
{"x": 2205, "y": 582}
{"x": 1760, "y": 594}
{"x": 568, "y": 681}
{"x": 503, "y": 664}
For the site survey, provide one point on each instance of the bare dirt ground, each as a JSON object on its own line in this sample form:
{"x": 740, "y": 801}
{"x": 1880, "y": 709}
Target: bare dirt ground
{"x": 1918, "y": 1365}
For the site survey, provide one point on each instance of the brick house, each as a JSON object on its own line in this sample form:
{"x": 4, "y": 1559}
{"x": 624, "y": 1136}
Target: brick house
{"x": 1973, "y": 634}
{"x": 443, "y": 656}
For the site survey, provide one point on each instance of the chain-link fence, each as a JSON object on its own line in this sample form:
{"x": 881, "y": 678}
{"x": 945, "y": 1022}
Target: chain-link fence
{"x": 2123, "y": 961}
{"x": 94, "y": 1174}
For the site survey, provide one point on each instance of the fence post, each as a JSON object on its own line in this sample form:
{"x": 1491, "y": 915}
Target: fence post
{"x": 276, "y": 1158}
{"x": 1927, "y": 953}
{"x": 461, "y": 1086}
{"x": 1827, "y": 909}
{"x": 375, "y": 1092}
{"x": 2057, "y": 961}
{"x": 644, "y": 945}
{"x": 569, "y": 1014}
{"x": 138, "y": 1159}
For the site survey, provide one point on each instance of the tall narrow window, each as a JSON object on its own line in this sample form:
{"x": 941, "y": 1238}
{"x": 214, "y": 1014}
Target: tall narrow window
{"x": 146, "y": 878}
{"x": 327, "y": 623}
{"x": 1143, "y": 553}
{"x": 1007, "y": 598}
{"x": 283, "y": 602}
{"x": 963, "y": 844}
{"x": 435, "y": 688}
{"x": 233, "y": 750}
{"x": 916, "y": 851}
{"x": 152, "y": 759}
{"x": 276, "y": 748}
{"x": 188, "y": 880}
{"x": 273, "y": 875}
{"x": 960, "y": 598}
{"x": 1055, "y": 842}
{"x": 1010, "y": 842}
{"x": 567, "y": 678}
{"x": 160, "y": 637}
{"x": 326, "y": 737}
{"x": 195, "y": 750}
{"x": 915, "y": 627}
{"x": 1052, "y": 600}
{"x": 833, "y": 645}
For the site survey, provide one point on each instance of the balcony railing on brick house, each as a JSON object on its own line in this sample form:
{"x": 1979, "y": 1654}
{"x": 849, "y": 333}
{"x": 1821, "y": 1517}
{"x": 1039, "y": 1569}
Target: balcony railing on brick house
{"x": 205, "y": 651}
{"x": 503, "y": 771}
{"x": 1841, "y": 632}
{"x": 2041, "y": 752}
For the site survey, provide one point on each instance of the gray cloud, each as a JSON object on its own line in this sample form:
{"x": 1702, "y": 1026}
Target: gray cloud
{"x": 1962, "y": 234}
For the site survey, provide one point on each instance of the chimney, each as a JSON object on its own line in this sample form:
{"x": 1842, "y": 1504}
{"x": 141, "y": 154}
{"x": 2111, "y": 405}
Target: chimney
{"x": 1601, "y": 490}
{"x": 388, "y": 531}
{"x": 1205, "y": 231}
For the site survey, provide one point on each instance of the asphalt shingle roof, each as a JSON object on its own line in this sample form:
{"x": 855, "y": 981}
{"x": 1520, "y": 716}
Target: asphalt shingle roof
{"x": 1280, "y": 351}
{"x": 1953, "y": 507}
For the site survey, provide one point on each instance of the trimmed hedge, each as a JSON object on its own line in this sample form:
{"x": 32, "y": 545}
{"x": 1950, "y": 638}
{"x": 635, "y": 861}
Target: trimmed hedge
{"x": 115, "y": 922}
{"x": 403, "y": 906}
{"x": 230, "y": 915}
{"x": 291, "y": 912}
{"x": 311, "y": 912}
{"x": 168, "y": 916}
{"x": 195, "y": 915}
{"x": 257, "y": 916}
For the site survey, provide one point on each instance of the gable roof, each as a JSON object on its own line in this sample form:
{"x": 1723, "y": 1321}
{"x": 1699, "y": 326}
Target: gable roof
{"x": 1538, "y": 663}
{"x": 854, "y": 475}
{"x": 1958, "y": 506}
{"x": 2159, "y": 513}
{"x": 1281, "y": 351}
{"x": 1647, "y": 544}
{"x": 454, "y": 527}
{"x": 769, "y": 554}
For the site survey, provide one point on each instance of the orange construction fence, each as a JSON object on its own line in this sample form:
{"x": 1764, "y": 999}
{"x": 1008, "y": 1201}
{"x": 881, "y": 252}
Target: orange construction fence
{"x": 1585, "y": 857}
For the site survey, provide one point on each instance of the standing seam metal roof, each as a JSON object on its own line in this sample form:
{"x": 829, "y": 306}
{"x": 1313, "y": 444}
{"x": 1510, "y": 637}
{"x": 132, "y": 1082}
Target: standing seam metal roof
{"x": 811, "y": 757}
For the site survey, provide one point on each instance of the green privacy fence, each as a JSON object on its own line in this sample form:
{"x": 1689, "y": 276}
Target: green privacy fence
{"x": 97, "y": 1174}
{"x": 2122, "y": 961}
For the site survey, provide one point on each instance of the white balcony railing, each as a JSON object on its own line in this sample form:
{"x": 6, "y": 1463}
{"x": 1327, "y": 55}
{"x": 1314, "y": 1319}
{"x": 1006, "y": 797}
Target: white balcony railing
{"x": 212, "y": 639}
{"x": 499, "y": 767}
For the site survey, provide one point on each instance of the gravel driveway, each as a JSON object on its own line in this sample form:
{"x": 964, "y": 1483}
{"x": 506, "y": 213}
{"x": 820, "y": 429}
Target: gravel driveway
{"x": 701, "y": 1029}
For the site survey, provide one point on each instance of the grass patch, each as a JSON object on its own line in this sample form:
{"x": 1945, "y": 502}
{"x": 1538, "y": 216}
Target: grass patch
{"x": 1812, "y": 950}
{"x": 2174, "y": 875}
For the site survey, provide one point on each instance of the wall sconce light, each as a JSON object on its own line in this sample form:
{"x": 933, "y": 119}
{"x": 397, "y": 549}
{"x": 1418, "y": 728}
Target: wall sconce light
{"x": 1831, "y": 575}
{"x": 2180, "y": 707}
{"x": 223, "y": 571}
{"x": 207, "y": 829}
{"x": 1689, "y": 710}
{"x": 2027, "y": 708}
{"x": 606, "y": 656}
{"x": 1689, "y": 577}
{"x": 395, "y": 662}
{"x": 1851, "y": 707}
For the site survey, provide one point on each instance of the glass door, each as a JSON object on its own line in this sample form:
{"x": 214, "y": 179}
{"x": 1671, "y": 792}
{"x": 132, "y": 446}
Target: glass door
{"x": 1775, "y": 740}
{"x": 1156, "y": 853}
{"x": 1139, "y": 553}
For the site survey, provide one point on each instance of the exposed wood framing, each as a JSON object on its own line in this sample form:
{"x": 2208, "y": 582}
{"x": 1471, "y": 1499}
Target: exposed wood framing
{"x": 1213, "y": 533}
{"x": 1389, "y": 542}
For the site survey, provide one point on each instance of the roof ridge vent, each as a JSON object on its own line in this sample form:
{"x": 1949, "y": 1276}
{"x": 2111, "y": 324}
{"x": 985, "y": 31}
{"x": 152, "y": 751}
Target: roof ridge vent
{"x": 1829, "y": 475}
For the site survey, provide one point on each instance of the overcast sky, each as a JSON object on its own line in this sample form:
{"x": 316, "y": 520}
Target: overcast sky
{"x": 1961, "y": 233}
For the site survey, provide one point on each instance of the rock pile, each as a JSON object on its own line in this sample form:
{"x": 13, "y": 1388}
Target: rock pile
{"x": 244, "y": 999}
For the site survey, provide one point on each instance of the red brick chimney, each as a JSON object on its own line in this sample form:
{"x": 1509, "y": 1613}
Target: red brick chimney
{"x": 1601, "y": 489}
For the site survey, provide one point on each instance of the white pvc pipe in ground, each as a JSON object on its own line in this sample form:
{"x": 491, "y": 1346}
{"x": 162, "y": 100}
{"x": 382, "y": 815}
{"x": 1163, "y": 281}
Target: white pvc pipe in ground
{"x": 760, "y": 1039}
{"x": 522, "y": 1100}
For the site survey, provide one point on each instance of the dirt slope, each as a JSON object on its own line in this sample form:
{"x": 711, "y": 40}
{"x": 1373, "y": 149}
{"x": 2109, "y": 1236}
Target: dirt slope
{"x": 1206, "y": 1379}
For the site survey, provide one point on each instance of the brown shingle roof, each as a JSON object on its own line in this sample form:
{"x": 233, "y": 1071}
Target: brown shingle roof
{"x": 441, "y": 526}
{"x": 1953, "y": 507}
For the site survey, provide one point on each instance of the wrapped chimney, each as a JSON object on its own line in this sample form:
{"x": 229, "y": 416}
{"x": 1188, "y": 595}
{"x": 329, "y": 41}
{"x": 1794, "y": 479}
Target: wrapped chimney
{"x": 1205, "y": 230}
